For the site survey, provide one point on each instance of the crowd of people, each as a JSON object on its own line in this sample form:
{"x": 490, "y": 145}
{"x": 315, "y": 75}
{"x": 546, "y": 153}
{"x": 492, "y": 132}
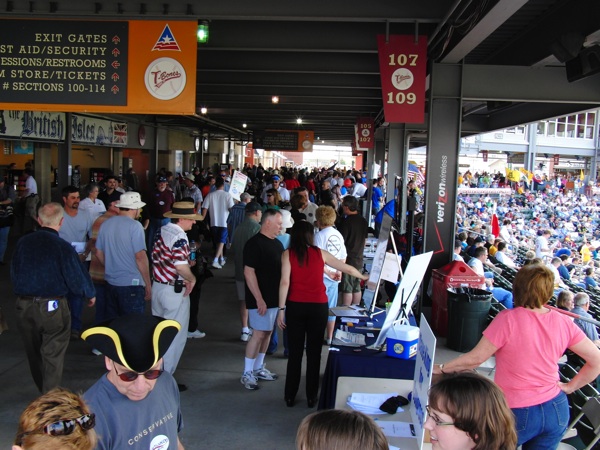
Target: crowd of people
{"x": 117, "y": 249}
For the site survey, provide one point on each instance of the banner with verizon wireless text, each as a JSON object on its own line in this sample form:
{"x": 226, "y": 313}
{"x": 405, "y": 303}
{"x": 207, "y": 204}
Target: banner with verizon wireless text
{"x": 402, "y": 65}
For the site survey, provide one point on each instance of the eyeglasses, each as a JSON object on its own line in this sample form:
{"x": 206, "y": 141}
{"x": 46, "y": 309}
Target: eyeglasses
{"x": 269, "y": 195}
{"x": 128, "y": 377}
{"x": 436, "y": 419}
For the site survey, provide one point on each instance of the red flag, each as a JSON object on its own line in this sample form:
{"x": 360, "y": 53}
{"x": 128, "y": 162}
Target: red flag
{"x": 495, "y": 225}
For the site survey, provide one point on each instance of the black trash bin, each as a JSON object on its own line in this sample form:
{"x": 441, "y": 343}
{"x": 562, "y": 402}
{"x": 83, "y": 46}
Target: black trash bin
{"x": 468, "y": 310}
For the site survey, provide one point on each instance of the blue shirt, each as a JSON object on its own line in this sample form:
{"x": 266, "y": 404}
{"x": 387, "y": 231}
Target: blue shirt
{"x": 44, "y": 265}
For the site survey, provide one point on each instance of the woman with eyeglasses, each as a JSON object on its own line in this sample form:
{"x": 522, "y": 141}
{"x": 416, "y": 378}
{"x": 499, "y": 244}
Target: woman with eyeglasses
{"x": 528, "y": 341}
{"x": 58, "y": 420}
{"x": 273, "y": 200}
{"x": 467, "y": 411}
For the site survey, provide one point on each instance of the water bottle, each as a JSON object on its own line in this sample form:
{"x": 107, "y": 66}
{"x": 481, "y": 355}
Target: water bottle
{"x": 193, "y": 248}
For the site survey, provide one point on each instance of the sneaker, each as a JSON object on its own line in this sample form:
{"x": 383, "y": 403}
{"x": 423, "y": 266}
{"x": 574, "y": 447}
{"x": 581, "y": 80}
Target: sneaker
{"x": 222, "y": 261}
{"x": 265, "y": 374}
{"x": 245, "y": 337}
{"x": 196, "y": 335}
{"x": 249, "y": 381}
{"x": 216, "y": 265}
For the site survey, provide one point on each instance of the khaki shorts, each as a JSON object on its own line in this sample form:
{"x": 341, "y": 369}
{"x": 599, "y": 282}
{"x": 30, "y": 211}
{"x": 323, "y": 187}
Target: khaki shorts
{"x": 350, "y": 284}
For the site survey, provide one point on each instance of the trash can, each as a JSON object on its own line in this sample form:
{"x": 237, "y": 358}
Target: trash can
{"x": 453, "y": 275}
{"x": 468, "y": 309}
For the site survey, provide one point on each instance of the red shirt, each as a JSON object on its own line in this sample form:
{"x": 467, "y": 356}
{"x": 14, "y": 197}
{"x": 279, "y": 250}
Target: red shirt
{"x": 306, "y": 281}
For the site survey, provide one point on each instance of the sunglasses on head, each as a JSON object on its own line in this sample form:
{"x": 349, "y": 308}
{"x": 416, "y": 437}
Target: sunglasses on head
{"x": 66, "y": 427}
{"x": 128, "y": 377}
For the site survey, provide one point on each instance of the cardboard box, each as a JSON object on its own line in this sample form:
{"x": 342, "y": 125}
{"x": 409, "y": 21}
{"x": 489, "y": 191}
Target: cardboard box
{"x": 402, "y": 341}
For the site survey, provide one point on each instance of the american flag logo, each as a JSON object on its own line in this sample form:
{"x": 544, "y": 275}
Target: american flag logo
{"x": 166, "y": 41}
{"x": 119, "y": 132}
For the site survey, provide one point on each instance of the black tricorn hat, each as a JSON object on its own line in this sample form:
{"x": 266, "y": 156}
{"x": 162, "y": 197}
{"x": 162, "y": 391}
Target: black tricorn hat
{"x": 136, "y": 341}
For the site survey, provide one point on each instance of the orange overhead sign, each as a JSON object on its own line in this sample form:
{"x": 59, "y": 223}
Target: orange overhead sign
{"x": 137, "y": 67}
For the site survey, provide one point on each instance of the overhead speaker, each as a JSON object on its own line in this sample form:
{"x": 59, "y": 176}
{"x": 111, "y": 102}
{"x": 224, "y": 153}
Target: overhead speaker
{"x": 567, "y": 46}
{"x": 585, "y": 64}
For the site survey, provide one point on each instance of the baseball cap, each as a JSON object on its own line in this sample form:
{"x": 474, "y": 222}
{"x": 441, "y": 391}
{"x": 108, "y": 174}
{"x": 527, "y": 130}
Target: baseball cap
{"x": 275, "y": 178}
{"x": 190, "y": 177}
{"x": 161, "y": 180}
{"x": 245, "y": 196}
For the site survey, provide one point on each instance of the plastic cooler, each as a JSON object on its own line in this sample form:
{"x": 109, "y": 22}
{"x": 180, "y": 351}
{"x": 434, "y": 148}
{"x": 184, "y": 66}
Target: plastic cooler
{"x": 453, "y": 275}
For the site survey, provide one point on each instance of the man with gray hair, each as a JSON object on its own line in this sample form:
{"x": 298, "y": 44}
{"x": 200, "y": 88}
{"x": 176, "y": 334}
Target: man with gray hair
{"x": 582, "y": 305}
{"x": 44, "y": 270}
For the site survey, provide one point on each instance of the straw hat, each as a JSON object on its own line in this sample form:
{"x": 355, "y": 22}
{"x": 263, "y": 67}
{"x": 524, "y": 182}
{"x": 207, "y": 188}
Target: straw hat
{"x": 183, "y": 210}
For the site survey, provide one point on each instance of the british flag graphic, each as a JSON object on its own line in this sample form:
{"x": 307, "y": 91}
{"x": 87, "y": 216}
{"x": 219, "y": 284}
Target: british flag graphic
{"x": 119, "y": 132}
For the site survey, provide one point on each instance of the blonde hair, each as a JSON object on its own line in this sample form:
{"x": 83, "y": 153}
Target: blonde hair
{"x": 325, "y": 215}
{"x": 57, "y": 404}
{"x": 533, "y": 286}
{"x": 336, "y": 429}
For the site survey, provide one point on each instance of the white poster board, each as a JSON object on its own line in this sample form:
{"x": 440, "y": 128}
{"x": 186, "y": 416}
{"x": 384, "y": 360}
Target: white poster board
{"x": 379, "y": 258}
{"x": 238, "y": 185}
{"x": 422, "y": 379}
{"x": 406, "y": 293}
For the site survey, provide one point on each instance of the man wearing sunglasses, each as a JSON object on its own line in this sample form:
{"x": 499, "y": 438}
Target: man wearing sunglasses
{"x": 136, "y": 403}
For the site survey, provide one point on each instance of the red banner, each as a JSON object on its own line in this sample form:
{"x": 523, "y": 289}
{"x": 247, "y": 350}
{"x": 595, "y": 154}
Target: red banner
{"x": 402, "y": 65}
{"x": 365, "y": 133}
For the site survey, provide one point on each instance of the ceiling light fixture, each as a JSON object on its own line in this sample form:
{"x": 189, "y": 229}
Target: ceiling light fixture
{"x": 203, "y": 110}
{"x": 275, "y": 99}
{"x": 202, "y": 32}
{"x": 299, "y": 120}
{"x": 244, "y": 125}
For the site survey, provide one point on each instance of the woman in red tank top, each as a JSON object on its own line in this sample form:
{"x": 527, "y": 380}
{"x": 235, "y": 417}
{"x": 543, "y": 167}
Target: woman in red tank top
{"x": 303, "y": 308}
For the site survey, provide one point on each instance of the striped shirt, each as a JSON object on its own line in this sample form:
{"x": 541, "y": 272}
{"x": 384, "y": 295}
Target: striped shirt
{"x": 170, "y": 249}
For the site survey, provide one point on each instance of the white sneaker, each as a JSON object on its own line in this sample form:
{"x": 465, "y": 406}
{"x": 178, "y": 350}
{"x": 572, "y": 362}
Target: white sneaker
{"x": 249, "y": 381}
{"x": 216, "y": 265}
{"x": 265, "y": 374}
{"x": 196, "y": 335}
{"x": 245, "y": 336}
{"x": 222, "y": 261}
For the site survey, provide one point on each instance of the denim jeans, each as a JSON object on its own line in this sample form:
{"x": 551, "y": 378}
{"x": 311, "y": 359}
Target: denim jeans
{"x": 541, "y": 427}
{"x": 122, "y": 300}
{"x": 3, "y": 241}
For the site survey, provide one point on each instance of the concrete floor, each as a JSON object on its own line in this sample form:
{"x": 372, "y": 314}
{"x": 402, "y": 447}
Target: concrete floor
{"x": 218, "y": 412}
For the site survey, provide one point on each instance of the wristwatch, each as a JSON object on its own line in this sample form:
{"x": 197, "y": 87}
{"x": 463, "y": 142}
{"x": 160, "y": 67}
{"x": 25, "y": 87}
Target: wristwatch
{"x": 282, "y": 309}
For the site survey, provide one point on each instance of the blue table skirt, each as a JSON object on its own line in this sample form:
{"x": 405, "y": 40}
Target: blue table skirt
{"x": 352, "y": 362}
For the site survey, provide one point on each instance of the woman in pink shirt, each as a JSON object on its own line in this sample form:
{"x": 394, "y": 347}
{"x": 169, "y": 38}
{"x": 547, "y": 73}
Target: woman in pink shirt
{"x": 528, "y": 341}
